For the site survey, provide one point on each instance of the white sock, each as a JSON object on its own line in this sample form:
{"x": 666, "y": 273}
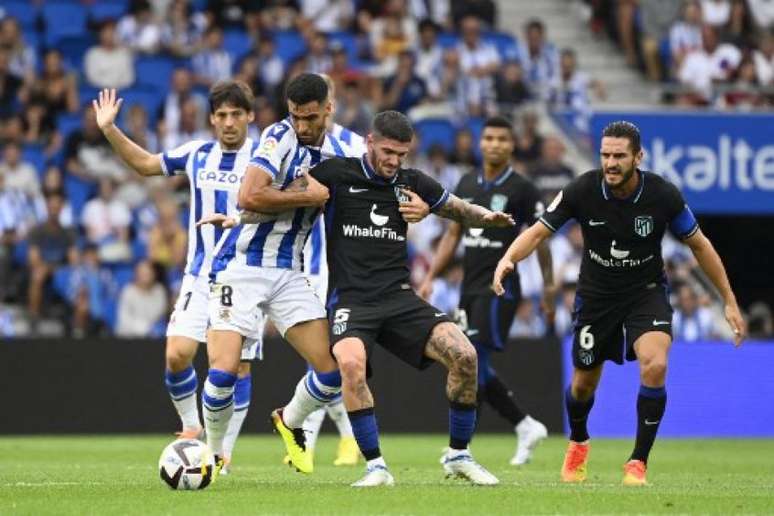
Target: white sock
{"x": 188, "y": 411}
{"x": 338, "y": 414}
{"x": 312, "y": 425}
{"x": 182, "y": 387}
{"x": 379, "y": 461}
{"x": 232, "y": 432}
{"x": 218, "y": 407}
{"x": 301, "y": 405}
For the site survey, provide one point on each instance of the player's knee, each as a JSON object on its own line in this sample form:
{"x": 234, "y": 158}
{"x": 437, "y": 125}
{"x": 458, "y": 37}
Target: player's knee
{"x": 466, "y": 360}
{"x": 654, "y": 370}
{"x": 352, "y": 366}
{"x": 177, "y": 358}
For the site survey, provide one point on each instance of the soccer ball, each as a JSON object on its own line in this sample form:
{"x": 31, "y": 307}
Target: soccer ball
{"x": 186, "y": 464}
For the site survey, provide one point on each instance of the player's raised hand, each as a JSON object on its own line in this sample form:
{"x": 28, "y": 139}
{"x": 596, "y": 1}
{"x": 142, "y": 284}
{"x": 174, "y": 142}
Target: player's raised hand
{"x": 415, "y": 209}
{"x": 498, "y": 219}
{"x": 504, "y": 267}
{"x": 106, "y": 108}
{"x": 217, "y": 219}
{"x": 736, "y": 321}
{"x": 318, "y": 192}
{"x": 425, "y": 290}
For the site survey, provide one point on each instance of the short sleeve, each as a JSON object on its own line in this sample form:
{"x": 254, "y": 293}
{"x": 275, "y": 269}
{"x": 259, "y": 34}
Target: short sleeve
{"x": 276, "y": 142}
{"x": 174, "y": 161}
{"x": 327, "y": 171}
{"x": 531, "y": 207}
{"x": 682, "y": 223}
{"x": 431, "y": 191}
{"x": 562, "y": 208}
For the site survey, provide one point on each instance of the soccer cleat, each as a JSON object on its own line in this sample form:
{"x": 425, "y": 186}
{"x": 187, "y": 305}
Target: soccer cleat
{"x": 191, "y": 433}
{"x": 460, "y": 464}
{"x": 377, "y": 475}
{"x": 295, "y": 444}
{"x": 634, "y": 473}
{"x": 219, "y": 463}
{"x": 529, "y": 432}
{"x": 348, "y": 453}
{"x": 226, "y": 469}
{"x": 574, "y": 467}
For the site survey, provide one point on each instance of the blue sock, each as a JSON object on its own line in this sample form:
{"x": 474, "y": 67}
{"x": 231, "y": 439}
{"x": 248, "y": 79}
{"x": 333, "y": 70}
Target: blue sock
{"x": 218, "y": 390}
{"x": 366, "y": 432}
{"x": 324, "y": 386}
{"x": 577, "y": 416}
{"x": 181, "y": 385}
{"x": 242, "y": 391}
{"x": 462, "y": 423}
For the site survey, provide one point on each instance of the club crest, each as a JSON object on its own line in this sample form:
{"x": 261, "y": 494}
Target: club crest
{"x": 643, "y": 225}
{"x": 498, "y": 202}
{"x": 402, "y": 197}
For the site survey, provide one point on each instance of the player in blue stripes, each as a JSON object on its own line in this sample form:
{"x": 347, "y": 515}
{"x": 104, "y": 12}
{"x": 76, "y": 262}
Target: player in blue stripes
{"x": 214, "y": 170}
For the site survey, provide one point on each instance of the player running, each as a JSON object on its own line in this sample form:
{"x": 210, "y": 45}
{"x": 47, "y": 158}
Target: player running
{"x": 215, "y": 170}
{"x": 621, "y": 308}
{"x": 482, "y": 316}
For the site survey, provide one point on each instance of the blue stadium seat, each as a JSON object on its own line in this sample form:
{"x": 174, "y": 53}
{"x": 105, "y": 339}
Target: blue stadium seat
{"x": 348, "y": 41}
{"x": 105, "y": 10}
{"x": 78, "y": 192}
{"x": 448, "y": 39}
{"x": 148, "y": 97}
{"x": 25, "y": 13}
{"x": 435, "y": 131}
{"x": 289, "y": 45}
{"x": 87, "y": 94}
{"x": 73, "y": 49}
{"x": 34, "y": 154}
{"x": 154, "y": 72}
{"x": 237, "y": 43}
{"x": 507, "y": 45}
{"x": 63, "y": 19}
{"x": 67, "y": 123}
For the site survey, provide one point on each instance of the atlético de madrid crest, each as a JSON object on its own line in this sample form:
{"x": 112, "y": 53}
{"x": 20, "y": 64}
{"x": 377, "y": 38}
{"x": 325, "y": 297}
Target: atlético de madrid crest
{"x": 402, "y": 197}
{"x": 643, "y": 225}
{"x": 498, "y": 202}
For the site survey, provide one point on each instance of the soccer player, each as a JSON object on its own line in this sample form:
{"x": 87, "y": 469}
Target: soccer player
{"x": 215, "y": 170}
{"x": 482, "y": 316}
{"x": 621, "y": 307}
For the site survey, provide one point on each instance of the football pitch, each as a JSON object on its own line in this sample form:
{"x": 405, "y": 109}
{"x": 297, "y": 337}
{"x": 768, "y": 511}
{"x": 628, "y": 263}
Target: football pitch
{"x": 119, "y": 475}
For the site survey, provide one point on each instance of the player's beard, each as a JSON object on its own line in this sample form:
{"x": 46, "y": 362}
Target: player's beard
{"x": 626, "y": 175}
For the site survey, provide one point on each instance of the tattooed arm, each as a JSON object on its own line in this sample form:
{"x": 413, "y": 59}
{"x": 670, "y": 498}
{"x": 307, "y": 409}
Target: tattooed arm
{"x": 472, "y": 215}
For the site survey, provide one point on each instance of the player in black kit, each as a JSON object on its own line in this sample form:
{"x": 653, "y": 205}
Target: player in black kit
{"x": 484, "y": 317}
{"x": 621, "y": 307}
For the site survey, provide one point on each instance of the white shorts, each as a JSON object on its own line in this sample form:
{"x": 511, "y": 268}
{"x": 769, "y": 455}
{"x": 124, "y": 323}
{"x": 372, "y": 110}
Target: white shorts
{"x": 319, "y": 283}
{"x": 190, "y": 317}
{"x": 240, "y": 296}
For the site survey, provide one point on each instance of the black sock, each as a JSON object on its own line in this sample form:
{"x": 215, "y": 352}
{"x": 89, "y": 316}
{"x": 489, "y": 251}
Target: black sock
{"x": 651, "y": 403}
{"x": 480, "y": 398}
{"x": 577, "y": 416}
{"x": 502, "y": 400}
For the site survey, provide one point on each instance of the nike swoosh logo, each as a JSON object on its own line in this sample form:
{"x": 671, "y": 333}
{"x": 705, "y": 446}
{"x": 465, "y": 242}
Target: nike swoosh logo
{"x": 352, "y": 189}
{"x": 660, "y": 323}
{"x": 439, "y": 314}
{"x": 596, "y": 222}
{"x": 651, "y": 423}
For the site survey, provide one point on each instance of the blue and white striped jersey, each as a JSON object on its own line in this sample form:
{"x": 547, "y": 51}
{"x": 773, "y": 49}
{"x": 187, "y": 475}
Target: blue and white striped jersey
{"x": 280, "y": 242}
{"x": 214, "y": 176}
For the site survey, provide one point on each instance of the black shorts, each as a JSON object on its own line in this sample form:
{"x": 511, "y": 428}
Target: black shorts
{"x": 401, "y": 324}
{"x": 607, "y": 327}
{"x": 486, "y": 319}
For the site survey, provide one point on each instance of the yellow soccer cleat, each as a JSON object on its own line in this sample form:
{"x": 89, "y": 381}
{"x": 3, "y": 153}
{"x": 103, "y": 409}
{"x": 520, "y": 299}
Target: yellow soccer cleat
{"x": 295, "y": 444}
{"x": 219, "y": 463}
{"x": 348, "y": 453}
{"x": 574, "y": 467}
{"x": 634, "y": 473}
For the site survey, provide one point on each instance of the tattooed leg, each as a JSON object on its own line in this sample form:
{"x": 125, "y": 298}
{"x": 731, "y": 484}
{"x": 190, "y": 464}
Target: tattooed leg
{"x": 449, "y": 346}
{"x": 350, "y": 353}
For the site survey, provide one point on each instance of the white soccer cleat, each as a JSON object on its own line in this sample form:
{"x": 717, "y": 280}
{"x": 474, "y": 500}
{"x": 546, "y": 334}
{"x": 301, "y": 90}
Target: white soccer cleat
{"x": 529, "y": 433}
{"x": 460, "y": 464}
{"x": 375, "y": 476}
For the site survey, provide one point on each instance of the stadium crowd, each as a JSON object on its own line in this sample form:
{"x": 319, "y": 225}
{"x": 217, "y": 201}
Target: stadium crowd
{"x": 89, "y": 248}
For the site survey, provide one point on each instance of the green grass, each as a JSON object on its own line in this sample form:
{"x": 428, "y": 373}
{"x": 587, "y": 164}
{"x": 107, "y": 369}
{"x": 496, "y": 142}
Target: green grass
{"x": 118, "y": 475}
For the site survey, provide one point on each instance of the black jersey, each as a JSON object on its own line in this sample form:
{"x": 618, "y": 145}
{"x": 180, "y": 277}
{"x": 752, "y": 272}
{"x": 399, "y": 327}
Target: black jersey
{"x": 621, "y": 237}
{"x": 509, "y": 192}
{"x": 365, "y": 232}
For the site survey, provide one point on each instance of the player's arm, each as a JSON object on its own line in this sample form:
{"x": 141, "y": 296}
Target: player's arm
{"x": 257, "y": 193}
{"x": 472, "y": 215}
{"x": 712, "y": 265}
{"x": 105, "y": 110}
{"x": 442, "y": 257}
{"x": 547, "y": 271}
{"x": 519, "y": 249}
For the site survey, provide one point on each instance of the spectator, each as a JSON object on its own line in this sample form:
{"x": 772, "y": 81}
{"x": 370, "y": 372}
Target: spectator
{"x": 212, "y": 63}
{"x": 12, "y": 127}
{"x": 138, "y": 129}
{"x": 567, "y": 253}
{"x": 328, "y": 15}
{"x": 760, "y": 321}
{"x": 479, "y": 61}
{"x": 106, "y": 221}
{"x": 248, "y": 73}
{"x": 716, "y": 13}
{"x": 762, "y": 12}
{"x": 570, "y": 91}
{"x": 56, "y": 88}
{"x": 270, "y": 65}
{"x": 656, "y": 17}
{"x": 484, "y": 10}
{"x": 40, "y": 127}
{"x": 436, "y": 11}
{"x": 764, "y": 60}
{"x": 318, "y": 57}
{"x": 539, "y": 59}
{"x": 141, "y": 304}
{"x": 279, "y": 15}
{"x": 527, "y": 322}
{"x": 510, "y": 86}
{"x": 108, "y": 65}
{"x": 22, "y": 59}
{"x": 86, "y": 289}
{"x": 440, "y": 169}
{"x": 53, "y": 181}
{"x": 529, "y": 141}
{"x": 13, "y": 212}
{"x": 714, "y": 62}
{"x": 463, "y": 155}
{"x": 446, "y": 289}
{"x": 740, "y": 29}
{"x": 88, "y": 154}
{"x": 549, "y": 174}
{"x": 430, "y": 58}
{"x": 685, "y": 34}
{"x": 352, "y": 111}
{"x": 138, "y": 30}
{"x": 405, "y": 89}
{"x": 743, "y": 93}
{"x": 182, "y": 34}
{"x": 235, "y": 14}
{"x": 19, "y": 174}
{"x": 50, "y": 247}
{"x": 391, "y": 34}
{"x": 565, "y": 308}
{"x": 189, "y": 128}
{"x": 691, "y": 321}
{"x": 168, "y": 241}
{"x": 181, "y": 90}
{"x": 10, "y": 85}
{"x": 341, "y": 71}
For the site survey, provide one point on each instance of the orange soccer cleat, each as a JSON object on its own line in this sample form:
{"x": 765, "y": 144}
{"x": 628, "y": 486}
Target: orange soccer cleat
{"x": 634, "y": 473}
{"x": 574, "y": 467}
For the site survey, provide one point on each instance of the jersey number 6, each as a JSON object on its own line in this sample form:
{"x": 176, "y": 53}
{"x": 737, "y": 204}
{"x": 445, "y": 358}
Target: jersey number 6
{"x": 586, "y": 339}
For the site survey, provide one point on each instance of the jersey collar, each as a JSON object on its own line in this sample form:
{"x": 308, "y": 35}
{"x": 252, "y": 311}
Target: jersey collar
{"x": 634, "y": 197}
{"x": 497, "y": 181}
{"x": 372, "y": 175}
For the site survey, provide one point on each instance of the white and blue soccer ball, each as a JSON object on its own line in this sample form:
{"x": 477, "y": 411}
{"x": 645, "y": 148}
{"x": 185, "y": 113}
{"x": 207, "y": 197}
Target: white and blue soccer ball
{"x": 186, "y": 464}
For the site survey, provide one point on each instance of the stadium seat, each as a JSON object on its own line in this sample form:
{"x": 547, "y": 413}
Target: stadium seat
{"x": 63, "y": 19}
{"x": 154, "y": 72}
{"x": 105, "y": 10}
{"x": 435, "y": 131}
{"x": 237, "y": 43}
{"x": 73, "y": 49}
{"x": 448, "y": 40}
{"x": 289, "y": 45}
{"x": 67, "y": 123}
{"x": 87, "y": 94}
{"x": 148, "y": 97}
{"x": 348, "y": 41}
{"x": 507, "y": 46}
{"x": 78, "y": 192}
{"x": 25, "y": 13}
{"x": 33, "y": 154}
